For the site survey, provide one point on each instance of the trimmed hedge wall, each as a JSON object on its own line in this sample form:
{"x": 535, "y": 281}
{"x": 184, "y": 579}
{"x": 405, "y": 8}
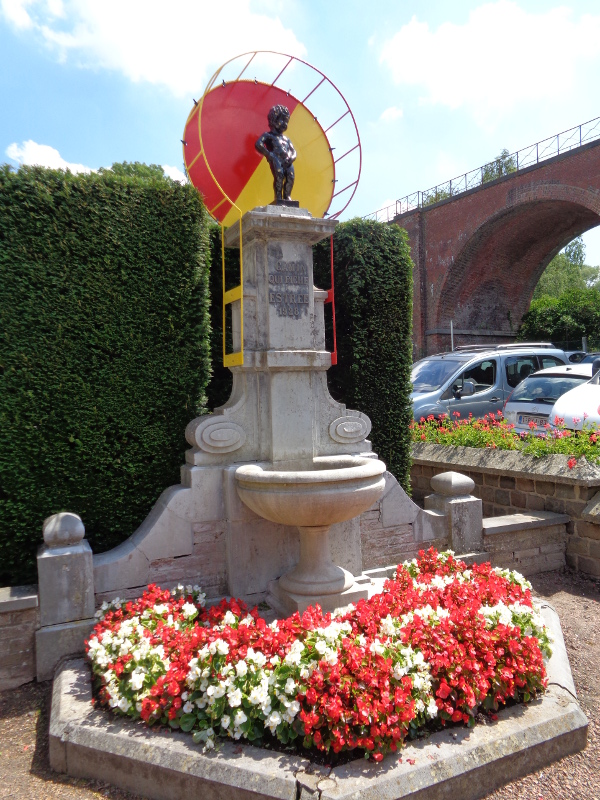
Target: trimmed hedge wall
{"x": 373, "y": 300}
{"x": 104, "y": 350}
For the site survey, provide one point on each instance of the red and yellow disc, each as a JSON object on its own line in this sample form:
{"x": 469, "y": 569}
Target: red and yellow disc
{"x": 219, "y": 138}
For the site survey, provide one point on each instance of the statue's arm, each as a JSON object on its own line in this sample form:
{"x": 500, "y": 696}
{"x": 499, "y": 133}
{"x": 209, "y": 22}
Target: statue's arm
{"x": 292, "y": 152}
{"x": 261, "y": 146}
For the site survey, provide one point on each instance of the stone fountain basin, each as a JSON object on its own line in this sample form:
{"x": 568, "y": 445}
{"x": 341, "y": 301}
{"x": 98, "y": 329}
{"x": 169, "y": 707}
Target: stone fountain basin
{"x": 336, "y": 489}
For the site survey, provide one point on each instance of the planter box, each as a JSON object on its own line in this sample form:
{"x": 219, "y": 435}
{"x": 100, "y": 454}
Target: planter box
{"x": 510, "y": 482}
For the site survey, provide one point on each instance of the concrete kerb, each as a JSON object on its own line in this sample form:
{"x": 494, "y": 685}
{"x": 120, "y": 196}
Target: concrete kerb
{"x": 458, "y": 762}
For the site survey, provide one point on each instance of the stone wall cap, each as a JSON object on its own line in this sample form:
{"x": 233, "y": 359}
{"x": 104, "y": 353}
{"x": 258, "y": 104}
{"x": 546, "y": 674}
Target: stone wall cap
{"x": 18, "y": 598}
{"x": 521, "y": 522}
{"x": 507, "y": 462}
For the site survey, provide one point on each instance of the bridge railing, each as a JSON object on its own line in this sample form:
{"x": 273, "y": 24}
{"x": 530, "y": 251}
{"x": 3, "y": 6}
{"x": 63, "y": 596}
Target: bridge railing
{"x": 505, "y": 164}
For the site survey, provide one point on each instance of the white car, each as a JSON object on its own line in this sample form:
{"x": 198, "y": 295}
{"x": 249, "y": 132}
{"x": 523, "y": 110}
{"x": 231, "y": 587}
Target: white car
{"x": 580, "y": 406}
{"x": 531, "y": 404}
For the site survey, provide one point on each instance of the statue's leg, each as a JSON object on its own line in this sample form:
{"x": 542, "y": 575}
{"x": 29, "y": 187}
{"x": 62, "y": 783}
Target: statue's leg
{"x": 278, "y": 178}
{"x": 288, "y": 183}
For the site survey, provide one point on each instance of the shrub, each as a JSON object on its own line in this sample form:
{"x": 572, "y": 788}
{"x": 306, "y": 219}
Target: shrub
{"x": 373, "y": 295}
{"x": 103, "y": 350}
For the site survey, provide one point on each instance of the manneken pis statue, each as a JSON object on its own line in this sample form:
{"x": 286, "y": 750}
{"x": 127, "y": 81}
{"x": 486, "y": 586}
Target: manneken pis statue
{"x": 279, "y": 152}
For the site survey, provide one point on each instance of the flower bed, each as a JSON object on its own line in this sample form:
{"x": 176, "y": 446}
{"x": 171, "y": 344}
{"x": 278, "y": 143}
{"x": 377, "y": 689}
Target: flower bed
{"x": 494, "y": 432}
{"x": 440, "y": 643}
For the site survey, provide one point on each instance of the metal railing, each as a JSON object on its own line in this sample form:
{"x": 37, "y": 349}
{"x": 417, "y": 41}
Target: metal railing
{"x": 505, "y": 164}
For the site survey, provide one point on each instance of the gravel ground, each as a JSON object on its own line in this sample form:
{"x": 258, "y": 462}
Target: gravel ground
{"x": 25, "y": 773}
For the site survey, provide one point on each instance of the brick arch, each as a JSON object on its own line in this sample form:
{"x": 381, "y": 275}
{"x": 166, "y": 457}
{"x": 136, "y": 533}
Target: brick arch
{"x": 490, "y": 282}
{"x": 479, "y": 254}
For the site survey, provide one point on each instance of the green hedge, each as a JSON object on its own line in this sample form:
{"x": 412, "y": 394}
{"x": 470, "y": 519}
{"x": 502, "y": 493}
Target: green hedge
{"x": 373, "y": 297}
{"x": 104, "y": 350}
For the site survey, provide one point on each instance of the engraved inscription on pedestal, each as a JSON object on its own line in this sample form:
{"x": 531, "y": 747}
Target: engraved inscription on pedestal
{"x": 288, "y": 288}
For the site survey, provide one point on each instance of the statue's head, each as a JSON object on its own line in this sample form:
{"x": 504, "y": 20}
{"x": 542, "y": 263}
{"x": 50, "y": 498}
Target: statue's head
{"x": 279, "y": 116}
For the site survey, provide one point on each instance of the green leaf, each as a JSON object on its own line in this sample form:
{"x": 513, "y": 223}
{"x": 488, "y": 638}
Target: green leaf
{"x": 187, "y": 722}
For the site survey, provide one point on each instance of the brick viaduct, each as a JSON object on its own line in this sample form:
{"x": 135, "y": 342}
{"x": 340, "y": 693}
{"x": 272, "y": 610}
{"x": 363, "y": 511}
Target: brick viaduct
{"x": 478, "y": 256}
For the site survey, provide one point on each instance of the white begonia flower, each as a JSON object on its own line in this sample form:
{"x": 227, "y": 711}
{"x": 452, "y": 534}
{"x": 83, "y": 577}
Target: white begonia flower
{"x": 160, "y": 608}
{"x": 222, "y": 647}
{"x": 290, "y": 686}
{"x": 321, "y": 646}
{"x": 229, "y": 618}
{"x": 234, "y": 698}
{"x": 189, "y": 610}
{"x": 256, "y": 657}
{"x": 137, "y": 678}
{"x": 399, "y": 671}
{"x": 241, "y": 668}
{"x": 377, "y": 647}
{"x": 239, "y": 718}
{"x": 225, "y": 721}
{"x": 123, "y": 704}
{"x": 188, "y": 707}
{"x": 432, "y": 709}
{"x": 274, "y": 720}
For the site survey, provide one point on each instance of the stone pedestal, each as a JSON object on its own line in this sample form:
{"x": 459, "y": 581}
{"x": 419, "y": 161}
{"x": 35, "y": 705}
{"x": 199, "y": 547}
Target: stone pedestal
{"x": 66, "y": 592}
{"x": 280, "y": 412}
{"x": 280, "y": 408}
{"x": 463, "y": 512}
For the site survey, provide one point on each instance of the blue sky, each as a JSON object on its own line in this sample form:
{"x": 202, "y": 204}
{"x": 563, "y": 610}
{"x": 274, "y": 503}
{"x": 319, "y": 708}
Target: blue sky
{"x": 437, "y": 88}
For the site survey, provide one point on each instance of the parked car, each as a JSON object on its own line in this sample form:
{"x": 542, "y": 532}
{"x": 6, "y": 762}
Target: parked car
{"x": 575, "y": 356}
{"x": 580, "y": 406}
{"x": 476, "y": 380}
{"x": 531, "y": 402}
{"x": 590, "y": 358}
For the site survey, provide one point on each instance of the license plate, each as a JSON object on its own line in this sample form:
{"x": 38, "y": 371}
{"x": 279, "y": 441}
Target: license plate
{"x": 525, "y": 419}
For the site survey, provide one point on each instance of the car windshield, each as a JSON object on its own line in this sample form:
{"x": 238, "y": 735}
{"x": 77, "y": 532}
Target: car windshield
{"x": 431, "y": 373}
{"x": 545, "y": 389}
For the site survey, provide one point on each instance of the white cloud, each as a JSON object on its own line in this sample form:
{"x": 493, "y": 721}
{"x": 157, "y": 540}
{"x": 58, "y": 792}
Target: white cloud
{"x": 15, "y": 12}
{"x": 390, "y": 114}
{"x": 175, "y": 44}
{"x": 42, "y": 155}
{"x": 500, "y": 59}
{"x": 175, "y": 173}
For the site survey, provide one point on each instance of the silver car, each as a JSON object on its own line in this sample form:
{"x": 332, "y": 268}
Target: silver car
{"x": 529, "y": 407}
{"x": 477, "y": 380}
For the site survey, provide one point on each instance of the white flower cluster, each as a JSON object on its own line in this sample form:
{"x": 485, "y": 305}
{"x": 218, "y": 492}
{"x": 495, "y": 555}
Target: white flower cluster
{"x": 512, "y": 576}
{"x": 195, "y": 592}
{"x": 147, "y": 663}
{"x": 106, "y": 607}
{"x": 247, "y": 682}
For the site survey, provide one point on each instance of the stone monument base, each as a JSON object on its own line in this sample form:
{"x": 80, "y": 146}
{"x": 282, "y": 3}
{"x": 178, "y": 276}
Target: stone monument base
{"x": 285, "y": 603}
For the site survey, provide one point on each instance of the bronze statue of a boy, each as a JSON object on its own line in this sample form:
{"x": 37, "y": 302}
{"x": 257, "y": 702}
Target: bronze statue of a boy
{"x": 279, "y": 152}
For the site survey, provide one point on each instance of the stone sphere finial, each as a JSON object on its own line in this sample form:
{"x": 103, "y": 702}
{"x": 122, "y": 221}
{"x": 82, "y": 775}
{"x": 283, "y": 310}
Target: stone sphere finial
{"x": 63, "y": 529}
{"x": 452, "y": 484}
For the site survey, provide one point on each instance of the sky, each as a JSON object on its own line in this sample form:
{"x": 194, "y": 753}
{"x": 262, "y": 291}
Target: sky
{"x": 436, "y": 88}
